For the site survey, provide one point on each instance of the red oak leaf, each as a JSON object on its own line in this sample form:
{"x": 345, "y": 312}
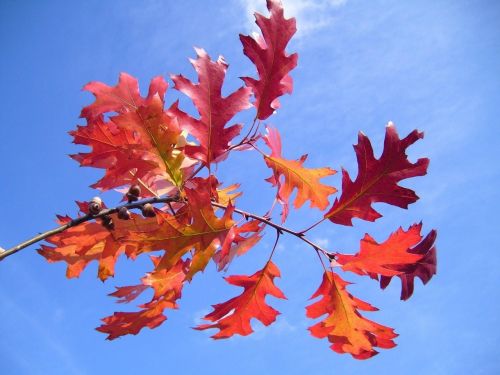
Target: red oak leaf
{"x": 346, "y": 329}
{"x": 116, "y": 150}
{"x": 234, "y": 316}
{"x": 424, "y": 268}
{"x": 387, "y": 258}
{"x": 215, "y": 111}
{"x": 290, "y": 174}
{"x": 127, "y": 294}
{"x": 125, "y": 96}
{"x": 268, "y": 54}
{"x": 167, "y": 285}
{"x": 130, "y": 323}
{"x": 141, "y": 142}
{"x": 377, "y": 179}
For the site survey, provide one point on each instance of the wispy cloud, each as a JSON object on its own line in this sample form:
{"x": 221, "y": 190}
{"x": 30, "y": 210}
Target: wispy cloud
{"x": 311, "y": 15}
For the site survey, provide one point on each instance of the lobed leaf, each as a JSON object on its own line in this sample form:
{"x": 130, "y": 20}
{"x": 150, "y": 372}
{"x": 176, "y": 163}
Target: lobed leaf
{"x": 290, "y": 174}
{"x": 167, "y": 285}
{"x": 344, "y": 327}
{"x": 123, "y": 97}
{"x": 90, "y": 241}
{"x": 198, "y": 229}
{"x": 424, "y": 268}
{"x": 238, "y": 241}
{"x": 377, "y": 179}
{"x": 215, "y": 111}
{"x": 384, "y": 258}
{"x": 268, "y": 54}
{"x": 234, "y": 316}
{"x": 140, "y": 141}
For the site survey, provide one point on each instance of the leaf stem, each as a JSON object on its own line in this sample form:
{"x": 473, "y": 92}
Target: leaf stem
{"x": 312, "y": 226}
{"x": 42, "y": 236}
{"x": 278, "y": 227}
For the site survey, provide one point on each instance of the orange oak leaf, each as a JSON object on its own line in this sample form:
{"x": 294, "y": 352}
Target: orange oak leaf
{"x": 167, "y": 281}
{"x": 228, "y": 194}
{"x": 268, "y": 54}
{"x": 127, "y": 294}
{"x": 90, "y": 241}
{"x": 167, "y": 285}
{"x": 377, "y": 179}
{"x": 290, "y": 174}
{"x": 215, "y": 111}
{"x": 126, "y": 323}
{"x": 234, "y": 316}
{"x": 346, "y": 329}
{"x": 201, "y": 233}
{"x": 388, "y": 258}
{"x": 424, "y": 268}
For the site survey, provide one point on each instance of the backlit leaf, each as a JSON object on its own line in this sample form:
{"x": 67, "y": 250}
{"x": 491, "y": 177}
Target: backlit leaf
{"x": 234, "y": 316}
{"x": 346, "y": 329}
{"x": 290, "y": 174}
{"x": 215, "y": 111}
{"x": 267, "y": 52}
{"x": 377, "y": 179}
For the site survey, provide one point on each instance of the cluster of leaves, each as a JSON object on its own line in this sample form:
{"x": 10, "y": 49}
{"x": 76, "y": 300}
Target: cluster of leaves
{"x": 140, "y": 142}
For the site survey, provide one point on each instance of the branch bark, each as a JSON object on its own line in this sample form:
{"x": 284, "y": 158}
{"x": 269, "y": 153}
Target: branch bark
{"x": 42, "y": 236}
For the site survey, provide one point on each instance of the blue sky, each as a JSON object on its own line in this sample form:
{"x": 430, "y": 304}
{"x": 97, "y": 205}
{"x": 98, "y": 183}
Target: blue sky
{"x": 431, "y": 65}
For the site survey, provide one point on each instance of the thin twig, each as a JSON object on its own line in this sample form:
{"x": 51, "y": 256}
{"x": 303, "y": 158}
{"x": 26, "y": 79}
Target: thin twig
{"x": 42, "y": 236}
{"x": 312, "y": 226}
{"x": 79, "y": 220}
{"x": 278, "y": 227}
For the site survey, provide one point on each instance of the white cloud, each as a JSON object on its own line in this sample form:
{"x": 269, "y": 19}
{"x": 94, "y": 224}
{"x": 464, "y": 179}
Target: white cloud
{"x": 311, "y": 15}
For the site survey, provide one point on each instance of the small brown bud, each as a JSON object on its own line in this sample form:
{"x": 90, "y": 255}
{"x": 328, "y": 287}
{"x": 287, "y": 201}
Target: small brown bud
{"x": 135, "y": 190}
{"x": 148, "y": 210}
{"x": 108, "y": 223}
{"x": 123, "y": 213}
{"x": 95, "y": 206}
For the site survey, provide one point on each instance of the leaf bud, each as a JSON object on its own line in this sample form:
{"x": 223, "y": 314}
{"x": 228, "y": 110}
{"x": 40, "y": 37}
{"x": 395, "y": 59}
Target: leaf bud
{"x": 95, "y": 206}
{"x": 123, "y": 213}
{"x": 135, "y": 190}
{"x": 148, "y": 210}
{"x": 133, "y": 193}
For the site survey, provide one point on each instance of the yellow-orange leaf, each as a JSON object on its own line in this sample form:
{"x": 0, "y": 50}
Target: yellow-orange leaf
{"x": 344, "y": 327}
{"x": 177, "y": 237}
{"x": 388, "y": 258}
{"x": 89, "y": 241}
{"x": 291, "y": 174}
